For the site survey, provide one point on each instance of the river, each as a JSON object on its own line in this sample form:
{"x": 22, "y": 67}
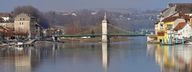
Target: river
{"x": 133, "y": 55}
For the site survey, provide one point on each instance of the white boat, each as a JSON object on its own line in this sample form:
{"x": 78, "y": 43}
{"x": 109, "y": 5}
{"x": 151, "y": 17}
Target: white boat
{"x": 152, "y": 39}
{"x": 19, "y": 43}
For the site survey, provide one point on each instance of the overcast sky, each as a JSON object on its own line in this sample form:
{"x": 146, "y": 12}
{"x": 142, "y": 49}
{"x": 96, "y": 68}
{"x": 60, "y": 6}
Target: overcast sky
{"x": 47, "y": 5}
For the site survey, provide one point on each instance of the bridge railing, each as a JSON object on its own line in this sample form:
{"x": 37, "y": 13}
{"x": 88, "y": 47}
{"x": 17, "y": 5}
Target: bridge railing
{"x": 98, "y": 35}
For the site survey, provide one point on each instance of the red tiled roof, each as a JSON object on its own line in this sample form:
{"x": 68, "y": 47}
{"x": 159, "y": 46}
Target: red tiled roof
{"x": 182, "y": 7}
{"x": 180, "y": 4}
{"x": 180, "y": 26}
{"x": 21, "y": 33}
{"x": 187, "y": 17}
{"x": 5, "y": 14}
{"x": 173, "y": 18}
{"x": 164, "y": 10}
{"x": 161, "y": 33}
{"x": 1, "y": 19}
{"x": 6, "y": 31}
{"x": 170, "y": 19}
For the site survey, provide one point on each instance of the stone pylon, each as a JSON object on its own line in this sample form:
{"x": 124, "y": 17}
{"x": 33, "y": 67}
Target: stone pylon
{"x": 104, "y": 29}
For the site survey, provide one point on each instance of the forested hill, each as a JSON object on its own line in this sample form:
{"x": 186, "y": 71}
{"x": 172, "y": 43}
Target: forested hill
{"x": 75, "y": 21}
{"x": 89, "y": 20}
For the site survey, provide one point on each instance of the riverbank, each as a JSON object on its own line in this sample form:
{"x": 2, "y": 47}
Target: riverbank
{"x": 66, "y": 40}
{"x": 97, "y": 39}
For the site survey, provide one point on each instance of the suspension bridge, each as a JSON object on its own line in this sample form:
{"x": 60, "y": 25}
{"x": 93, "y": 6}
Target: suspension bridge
{"x": 105, "y": 31}
{"x": 111, "y": 34}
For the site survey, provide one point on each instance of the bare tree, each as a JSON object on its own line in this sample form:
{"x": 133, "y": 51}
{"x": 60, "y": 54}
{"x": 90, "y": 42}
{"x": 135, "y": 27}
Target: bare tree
{"x": 28, "y": 10}
{"x": 32, "y": 11}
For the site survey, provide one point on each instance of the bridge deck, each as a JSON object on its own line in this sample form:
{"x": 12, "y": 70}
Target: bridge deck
{"x": 30, "y": 41}
{"x": 99, "y": 35}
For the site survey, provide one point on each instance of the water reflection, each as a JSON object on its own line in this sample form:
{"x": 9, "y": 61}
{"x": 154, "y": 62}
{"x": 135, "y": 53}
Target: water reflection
{"x": 22, "y": 60}
{"x": 32, "y": 59}
{"x": 129, "y": 56}
{"x": 19, "y": 59}
{"x": 105, "y": 56}
{"x": 176, "y": 58}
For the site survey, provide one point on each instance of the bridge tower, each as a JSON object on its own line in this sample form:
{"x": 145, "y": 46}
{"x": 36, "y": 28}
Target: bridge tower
{"x": 104, "y": 29}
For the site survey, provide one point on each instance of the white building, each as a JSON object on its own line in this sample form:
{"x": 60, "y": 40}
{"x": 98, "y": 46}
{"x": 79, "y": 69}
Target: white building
{"x": 183, "y": 30}
{"x": 5, "y": 16}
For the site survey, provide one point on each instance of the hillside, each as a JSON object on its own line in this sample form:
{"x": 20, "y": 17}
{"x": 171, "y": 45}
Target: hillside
{"x": 86, "y": 21}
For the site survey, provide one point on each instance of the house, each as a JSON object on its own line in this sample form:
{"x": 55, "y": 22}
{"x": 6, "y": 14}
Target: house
{"x": 6, "y": 17}
{"x": 7, "y": 30}
{"x": 167, "y": 12}
{"x": 53, "y": 32}
{"x": 183, "y": 30}
{"x": 1, "y": 19}
{"x": 182, "y": 7}
{"x": 7, "y": 33}
{"x": 171, "y": 20}
{"x": 26, "y": 26}
{"x": 173, "y": 8}
{"x": 7, "y": 25}
{"x": 164, "y": 28}
{"x": 179, "y": 33}
{"x": 6, "y": 20}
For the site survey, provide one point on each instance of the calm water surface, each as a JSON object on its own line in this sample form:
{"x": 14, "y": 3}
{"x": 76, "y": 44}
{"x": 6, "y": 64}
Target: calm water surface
{"x": 134, "y": 55}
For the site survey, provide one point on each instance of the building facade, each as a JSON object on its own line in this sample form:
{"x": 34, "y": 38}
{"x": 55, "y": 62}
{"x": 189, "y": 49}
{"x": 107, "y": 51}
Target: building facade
{"x": 170, "y": 18}
{"x": 26, "y": 26}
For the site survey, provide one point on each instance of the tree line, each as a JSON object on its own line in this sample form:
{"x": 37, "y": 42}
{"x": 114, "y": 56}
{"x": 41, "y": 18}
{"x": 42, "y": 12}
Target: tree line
{"x": 89, "y": 21}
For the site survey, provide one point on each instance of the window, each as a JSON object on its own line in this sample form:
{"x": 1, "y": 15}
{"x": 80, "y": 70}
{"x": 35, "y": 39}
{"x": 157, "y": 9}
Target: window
{"x": 169, "y": 27}
{"x": 161, "y": 40}
{"x": 161, "y": 25}
{"x": 21, "y": 23}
